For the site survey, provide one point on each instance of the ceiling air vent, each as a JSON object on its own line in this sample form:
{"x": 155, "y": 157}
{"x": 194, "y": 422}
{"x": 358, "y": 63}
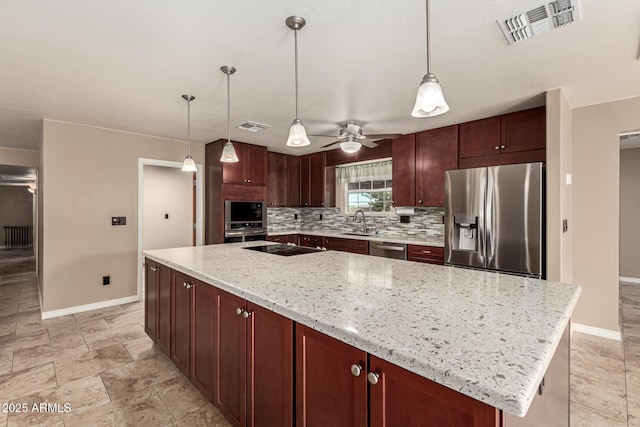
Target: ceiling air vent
{"x": 539, "y": 19}
{"x": 252, "y": 126}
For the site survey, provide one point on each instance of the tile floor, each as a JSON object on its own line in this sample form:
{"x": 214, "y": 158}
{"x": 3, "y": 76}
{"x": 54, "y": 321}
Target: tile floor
{"x": 104, "y": 366}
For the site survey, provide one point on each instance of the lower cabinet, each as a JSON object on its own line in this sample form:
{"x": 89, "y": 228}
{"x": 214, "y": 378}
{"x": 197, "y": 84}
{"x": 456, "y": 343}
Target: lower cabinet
{"x": 311, "y": 241}
{"x": 192, "y": 330}
{"x": 157, "y": 308}
{"x": 253, "y": 363}
{"x": 426, "y": 254}
{"x": 347, "y": 245}
{"x": 285, "y": 238}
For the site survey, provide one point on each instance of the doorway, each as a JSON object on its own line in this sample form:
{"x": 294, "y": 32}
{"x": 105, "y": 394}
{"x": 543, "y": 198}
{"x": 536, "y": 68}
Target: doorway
{"x": 169, "y": 208}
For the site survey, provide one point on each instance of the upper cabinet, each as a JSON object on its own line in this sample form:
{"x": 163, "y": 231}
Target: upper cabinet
{"x": 312, "y": 180}
{"x": 277, "y": 180}
{"x": 250, "y": 170}
{"x": 404, "y": 170}
{"x": 518, "y": 137}
{"x": 436, "y": 152}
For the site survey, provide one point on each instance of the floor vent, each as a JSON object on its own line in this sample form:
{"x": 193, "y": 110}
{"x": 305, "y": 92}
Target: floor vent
{"x": 252, "y": 126}
{"x": 539, "y": 19}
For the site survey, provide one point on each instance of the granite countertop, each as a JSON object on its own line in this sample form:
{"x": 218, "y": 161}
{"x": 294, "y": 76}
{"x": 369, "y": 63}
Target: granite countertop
{"x": 421, "y": 239}
{"x": 489, "y": 336}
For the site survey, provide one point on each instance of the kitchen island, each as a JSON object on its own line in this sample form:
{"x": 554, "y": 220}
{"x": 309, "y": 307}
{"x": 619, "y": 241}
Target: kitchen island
{"x": 488, "y": 336}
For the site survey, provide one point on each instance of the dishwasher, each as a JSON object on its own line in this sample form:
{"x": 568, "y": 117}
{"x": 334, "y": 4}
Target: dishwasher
{"x": 388, "y": 250}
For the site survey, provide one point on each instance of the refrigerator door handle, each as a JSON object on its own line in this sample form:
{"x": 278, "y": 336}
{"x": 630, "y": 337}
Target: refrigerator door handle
{"x": 489, "y": 213}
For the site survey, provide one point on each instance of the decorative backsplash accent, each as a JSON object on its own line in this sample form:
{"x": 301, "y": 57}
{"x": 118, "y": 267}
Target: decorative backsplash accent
{"x": 426, "y": 222}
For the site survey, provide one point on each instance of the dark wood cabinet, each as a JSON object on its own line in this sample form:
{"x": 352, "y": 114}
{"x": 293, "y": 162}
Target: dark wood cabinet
{"x": 151, "y": 279}
{"x": 277, "y": 180}
{"x": 436, "y": 152}
{"x": 202, "y": 336}
{"x": 181, "y": 322}
{"x": 426, "y": 254}
{"x": 327, "y": 392}
{"x": 287, "y": 238}
{"x": 518, "y": 137}
{"x": 251, "y": 169}
{"x": 157, "y": 307}
{"x": 404, "y": 171}
{"x": 312, "y": 180}
{"x": 402, "y": 398}
{"x": 293, "y": 181}
{"x": 230, "y": 358}
{"x": 311, "y": 241}
{"x": 269, "y": 368}
{"x": 253, "y": 363}
{"x": 347, "y": 245}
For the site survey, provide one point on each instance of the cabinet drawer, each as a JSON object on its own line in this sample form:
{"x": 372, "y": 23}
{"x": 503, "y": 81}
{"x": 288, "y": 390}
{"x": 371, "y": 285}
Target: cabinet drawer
{"x": 288, "y": 238}
{"x": 311, "y": 241}
{"x": 347, "y": 245}
{"x": 428, "y": 254}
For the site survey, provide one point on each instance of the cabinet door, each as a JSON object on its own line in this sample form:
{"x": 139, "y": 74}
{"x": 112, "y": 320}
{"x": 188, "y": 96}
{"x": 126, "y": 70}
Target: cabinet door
{"x": 269, "y": 368}
{"x": 404, "y": 170}
{"x": 305, "y": 180}
{"x": 480, "y": 138}
{"x": 163, "y": 330}
{"x": 436, "y": 152}
{"x": 293, "y": 181}
{"x": 235, "y": 173}
{"x": 524, "y": 130}
{"x": 202, "y": 333}
{"x": 327, "y": 393}
{"x": 426, "y": 254}
{"x": 276, "y": 180}
{"x": 317, "y": 164}
{"x": 230, "y": 358}
{"x": 181, "y": 321}
{"x": 256, "y": 167}
{"x": 402, "y": 398}
{"x": 150, "y": 298}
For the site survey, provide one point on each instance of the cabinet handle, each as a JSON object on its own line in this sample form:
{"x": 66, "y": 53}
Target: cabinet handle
{"x": 497, "y": 147}
{"x": 239, "y": 311}
{"x": 420, "y": 201}
{"x": 248, "y": 180}
{"x": 426, "y": 252}
{"x": 356, "y": 370}
{"x": 503, "y": 146}
{"x": 246, "y": 314}
{"x": 185, "y": 284}
{"x": 373, "y": 378}
{"x": 154, "y": 268}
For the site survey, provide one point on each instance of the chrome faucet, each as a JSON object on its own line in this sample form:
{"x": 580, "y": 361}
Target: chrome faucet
{"x": 364, "y": 223}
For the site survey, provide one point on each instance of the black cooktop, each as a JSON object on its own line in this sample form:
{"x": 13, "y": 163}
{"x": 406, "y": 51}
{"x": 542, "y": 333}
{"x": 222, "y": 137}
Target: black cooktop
{"x": 284, "y": 250}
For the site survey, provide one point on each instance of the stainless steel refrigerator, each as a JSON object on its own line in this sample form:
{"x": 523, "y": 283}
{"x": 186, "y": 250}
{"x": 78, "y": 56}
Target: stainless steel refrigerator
{"x": 494, "y": 218}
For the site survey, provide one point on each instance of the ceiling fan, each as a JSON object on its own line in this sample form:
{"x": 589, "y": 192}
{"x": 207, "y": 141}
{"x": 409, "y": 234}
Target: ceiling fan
{"x": 351, "y": 138}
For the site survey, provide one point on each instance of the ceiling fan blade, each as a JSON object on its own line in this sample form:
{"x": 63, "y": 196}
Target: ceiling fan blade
{"x": 369, "y": 144}
{"x": 323, "y": 136}
{"x": 333, "y": 143}
{"x": 385, "y": 136}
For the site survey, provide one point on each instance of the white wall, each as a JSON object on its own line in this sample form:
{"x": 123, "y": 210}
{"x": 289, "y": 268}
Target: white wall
{"x": 629, "y": 213}
{"x": 167, "y": 191}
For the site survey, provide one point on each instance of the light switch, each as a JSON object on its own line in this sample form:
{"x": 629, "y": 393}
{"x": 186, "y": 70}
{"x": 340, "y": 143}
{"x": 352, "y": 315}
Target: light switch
{"x": 568, "y": 179}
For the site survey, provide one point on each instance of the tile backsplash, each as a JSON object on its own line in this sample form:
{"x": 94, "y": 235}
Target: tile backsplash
{"x": 425, "y": 222}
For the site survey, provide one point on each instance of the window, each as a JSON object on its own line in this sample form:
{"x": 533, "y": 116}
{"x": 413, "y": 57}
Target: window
{"x": 366, "y": 186}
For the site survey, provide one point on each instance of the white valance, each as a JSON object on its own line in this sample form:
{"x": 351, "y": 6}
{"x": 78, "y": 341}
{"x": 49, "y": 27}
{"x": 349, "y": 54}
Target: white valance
{"x": 374, "y": 171}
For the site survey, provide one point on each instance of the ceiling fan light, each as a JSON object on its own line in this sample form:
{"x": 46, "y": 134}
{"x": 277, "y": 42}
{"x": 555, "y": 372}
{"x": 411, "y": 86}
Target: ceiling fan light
{"x": 350, "y": 146}
{"x": 189, "y": 165}
{"x": 297, "y": 135}
{"x": 229, "y": 153}
{"x": 430, "y": 99}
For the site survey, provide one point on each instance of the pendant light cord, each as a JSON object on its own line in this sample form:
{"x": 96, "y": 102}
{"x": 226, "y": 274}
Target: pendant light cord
{"x": 428, "y": 41}
{"x": 228, "y": 108}
{"x": 189, "y": 125}
{"x": 295, "y": 36}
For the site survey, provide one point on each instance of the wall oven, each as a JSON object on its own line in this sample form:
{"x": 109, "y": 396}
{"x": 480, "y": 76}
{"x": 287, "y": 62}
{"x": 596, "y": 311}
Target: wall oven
{"x": 244, "y": 221}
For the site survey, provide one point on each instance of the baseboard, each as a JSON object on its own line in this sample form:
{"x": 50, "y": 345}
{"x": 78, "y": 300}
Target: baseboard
{"x": 599, "y": 332}
{"x": 630, "y": 280}
{"x": 88, "y": 307}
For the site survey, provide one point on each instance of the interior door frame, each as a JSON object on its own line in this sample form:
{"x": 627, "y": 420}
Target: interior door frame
{"x": 199, "y": 199}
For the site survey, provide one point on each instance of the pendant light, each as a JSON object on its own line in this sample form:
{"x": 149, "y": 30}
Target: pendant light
{"x": 188, "y": 165}
{"x": 228, "y": 152}
{"x": 430, "y": 100}
{"x": 297, "y": 133}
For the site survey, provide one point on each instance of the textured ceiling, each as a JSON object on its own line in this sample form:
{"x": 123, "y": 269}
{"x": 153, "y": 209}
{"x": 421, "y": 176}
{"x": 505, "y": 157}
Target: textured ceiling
{"x": 123, "y": 64}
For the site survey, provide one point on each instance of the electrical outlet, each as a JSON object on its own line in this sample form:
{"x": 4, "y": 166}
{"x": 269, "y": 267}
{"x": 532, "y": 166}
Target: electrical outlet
{"x": 405, "y": 219}
{"x": 295, "y": 216}
{"x": 565, "y": 225}
{"x": 106, "y": 280}
{"x": 118, "y": 220}
{"x": 166, "y": 216}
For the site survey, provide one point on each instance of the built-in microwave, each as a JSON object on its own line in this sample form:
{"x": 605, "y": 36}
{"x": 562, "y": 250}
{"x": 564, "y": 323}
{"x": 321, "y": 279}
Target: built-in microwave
{"x": 244, "y": 219}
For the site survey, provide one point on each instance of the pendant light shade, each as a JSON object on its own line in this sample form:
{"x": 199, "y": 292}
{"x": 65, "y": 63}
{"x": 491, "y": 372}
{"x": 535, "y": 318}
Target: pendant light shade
{"x": 228, "y": 152}
{"x": 297, "y": 133}
{"x": 430, "y": 99}
{"x": 350, "y": 146}
{"x": 189, "y": 165}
